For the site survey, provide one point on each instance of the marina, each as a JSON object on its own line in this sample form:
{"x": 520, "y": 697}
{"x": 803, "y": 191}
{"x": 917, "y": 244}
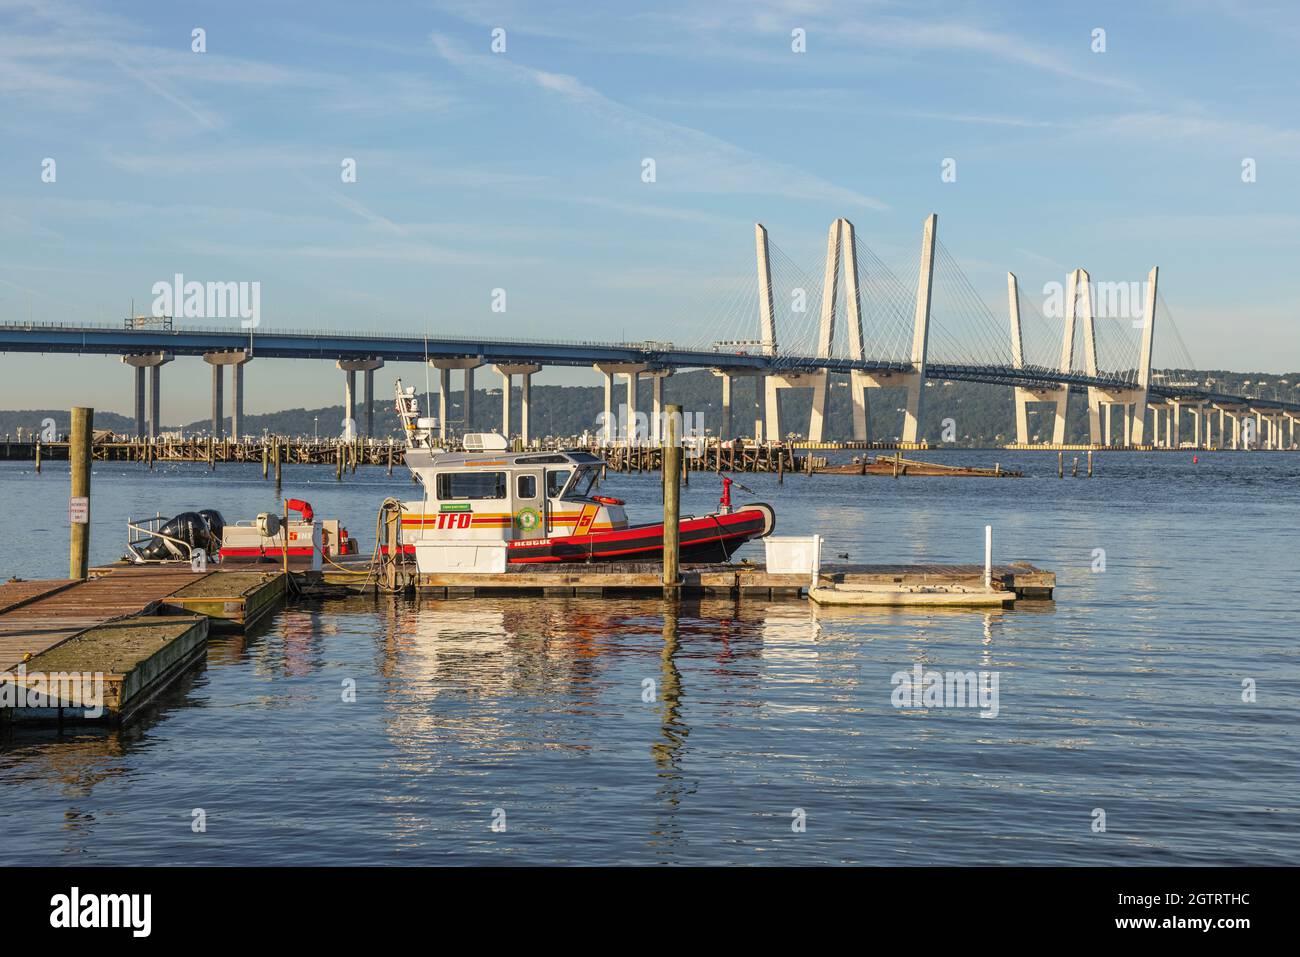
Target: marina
{"x": 490, "y": 522}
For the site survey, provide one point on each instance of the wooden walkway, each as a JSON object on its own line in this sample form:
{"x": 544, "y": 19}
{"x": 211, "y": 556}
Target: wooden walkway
{"x": 37, "y": 615}
{"x": 600, "y": 578}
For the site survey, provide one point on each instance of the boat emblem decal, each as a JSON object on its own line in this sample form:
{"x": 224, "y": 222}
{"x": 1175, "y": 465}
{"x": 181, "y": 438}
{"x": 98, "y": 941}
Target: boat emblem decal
{"x": 527, "y": 519}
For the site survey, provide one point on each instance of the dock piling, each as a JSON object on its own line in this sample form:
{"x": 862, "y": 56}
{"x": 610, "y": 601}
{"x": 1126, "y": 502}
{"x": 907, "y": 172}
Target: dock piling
{"x": 672, "y": 471}
{"x": 80, "y": 438}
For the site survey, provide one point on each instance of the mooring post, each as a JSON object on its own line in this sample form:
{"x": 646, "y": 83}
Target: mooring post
{"x": 80, "y": 438}
{"x": 988, "y": 557}
{"x": 1074, "y": 470}
{"x": 38, "y": 456}
{"x": 285, "y": 530}
{"x": 1060, "y": 465}
{"x": 278, "y": 456}
{"x": 1090, "y": 463}
{"x": 672, "y": 459}
{"x": 266, "y": 460}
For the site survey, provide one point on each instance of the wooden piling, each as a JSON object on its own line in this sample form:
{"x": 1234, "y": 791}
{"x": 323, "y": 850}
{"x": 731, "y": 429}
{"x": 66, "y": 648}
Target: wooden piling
{"x": 672, "y": 468}
{"x": 80, "y": 439}
{"x": 266, "y": 460}
{"x": 1060, "y": 465}
{"x": 1090, "y": 463}
{"x": 38, "y": 456}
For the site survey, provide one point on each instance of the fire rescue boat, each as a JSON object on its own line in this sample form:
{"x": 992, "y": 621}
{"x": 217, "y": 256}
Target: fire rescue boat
{"x": 543, "y": 505}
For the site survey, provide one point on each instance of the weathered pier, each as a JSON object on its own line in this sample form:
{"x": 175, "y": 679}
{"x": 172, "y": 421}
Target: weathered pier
{"x": 132, "y": 628}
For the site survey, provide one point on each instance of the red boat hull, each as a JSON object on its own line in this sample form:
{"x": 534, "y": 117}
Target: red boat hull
{"x": 709, "y": 538}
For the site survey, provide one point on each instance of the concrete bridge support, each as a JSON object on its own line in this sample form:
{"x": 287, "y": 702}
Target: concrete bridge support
{"x": 525, "y": 372}
{"x": 1144, "y": 357}
{"x": 467, "y": 364}
{"x": 218, "y": 361}
{"x": 350, "y": 369}
{"x": 920, "y": 332}
{"x": 724, "y": 424}
{"x": 154, "y": 363}
{"x": 1021, "y": 395}
{"x": 772, "y": 384}
{"x": 610, "y": 426}
{"x": 657, "y": 377}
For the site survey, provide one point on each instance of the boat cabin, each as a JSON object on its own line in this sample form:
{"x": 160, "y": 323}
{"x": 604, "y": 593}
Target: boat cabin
{"x": 489, "y": 493}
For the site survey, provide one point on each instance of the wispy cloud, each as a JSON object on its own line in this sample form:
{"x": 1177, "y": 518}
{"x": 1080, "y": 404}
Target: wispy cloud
{"x": 687, "y": 159}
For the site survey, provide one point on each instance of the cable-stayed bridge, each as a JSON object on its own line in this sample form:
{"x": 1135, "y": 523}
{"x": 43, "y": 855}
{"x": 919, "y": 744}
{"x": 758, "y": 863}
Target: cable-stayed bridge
{"x": 790, "y": 329}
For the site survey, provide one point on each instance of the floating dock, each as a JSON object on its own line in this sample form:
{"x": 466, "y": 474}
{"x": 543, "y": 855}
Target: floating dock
{"x": 130, "y": 629}
{"x": 613, "y": 578}
{"x": 135, "y": 629}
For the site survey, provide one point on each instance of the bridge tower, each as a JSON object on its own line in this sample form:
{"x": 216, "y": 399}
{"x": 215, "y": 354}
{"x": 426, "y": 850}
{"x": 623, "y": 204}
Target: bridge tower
{"x": 841, "y": 245}
{"x": 912, "y": 380}
{"x": 1132, "y": 401}
{"x": 1056, "y": 395}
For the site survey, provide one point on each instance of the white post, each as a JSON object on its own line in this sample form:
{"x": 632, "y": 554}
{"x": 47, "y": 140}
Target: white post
{"x": 816, "y": 560}
{"x": 988, "y": 557}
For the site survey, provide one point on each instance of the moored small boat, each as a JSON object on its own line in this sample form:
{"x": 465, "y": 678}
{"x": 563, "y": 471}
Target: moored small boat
{"x": 541, "y": 506}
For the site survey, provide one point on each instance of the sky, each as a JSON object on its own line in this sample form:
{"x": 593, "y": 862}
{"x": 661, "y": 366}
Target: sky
{"x": 523, "y": 169}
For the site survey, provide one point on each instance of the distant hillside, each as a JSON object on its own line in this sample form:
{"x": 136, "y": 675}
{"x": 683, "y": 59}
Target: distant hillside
{"x": 982, "y": 414}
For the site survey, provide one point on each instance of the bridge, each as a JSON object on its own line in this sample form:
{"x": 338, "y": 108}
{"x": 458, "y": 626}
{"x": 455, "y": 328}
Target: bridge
{"x": 783, "y": 325}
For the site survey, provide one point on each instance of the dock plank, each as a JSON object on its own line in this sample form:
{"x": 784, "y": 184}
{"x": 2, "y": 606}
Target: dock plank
{"x": 44, "y": 620}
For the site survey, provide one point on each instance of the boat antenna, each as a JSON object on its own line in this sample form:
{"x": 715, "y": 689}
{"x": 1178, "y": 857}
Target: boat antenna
{"x": 428, "y": 399}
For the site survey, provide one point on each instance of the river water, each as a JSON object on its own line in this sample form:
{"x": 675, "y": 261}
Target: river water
{"x": 519, "y": 731}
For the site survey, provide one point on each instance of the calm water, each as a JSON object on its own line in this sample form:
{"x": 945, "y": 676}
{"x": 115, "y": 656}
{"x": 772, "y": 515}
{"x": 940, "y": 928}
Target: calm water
{"x": 1125, "y": 694}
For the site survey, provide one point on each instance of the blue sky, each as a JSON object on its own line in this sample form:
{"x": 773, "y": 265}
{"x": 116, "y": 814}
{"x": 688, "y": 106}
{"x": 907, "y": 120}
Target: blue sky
{"x": 522, "y": 170}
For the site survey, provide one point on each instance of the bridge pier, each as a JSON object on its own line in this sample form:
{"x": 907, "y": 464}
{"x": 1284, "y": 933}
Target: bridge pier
{"x": 724, "y": 425}
{"x": 218, "y": 361}
{"x": 350, "y": 369}
{"x": 507, "y": 372}
{"x": 154, "y": 363}
{"x": 466, "y": 364}
{"x": 610, "y": 428}
{"x": 817, "y": 381}
{"x": 657, "y": 377}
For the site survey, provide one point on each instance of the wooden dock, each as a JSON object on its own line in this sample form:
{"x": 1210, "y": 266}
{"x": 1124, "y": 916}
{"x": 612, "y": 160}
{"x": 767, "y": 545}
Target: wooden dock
{"x": 614, "y": 578}
{"x": 135, "y": 626}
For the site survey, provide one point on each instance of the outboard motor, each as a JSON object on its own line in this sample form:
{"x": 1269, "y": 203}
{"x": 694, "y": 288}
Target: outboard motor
{"x": 216, "y": 527}
{"x": 190, "y": 528}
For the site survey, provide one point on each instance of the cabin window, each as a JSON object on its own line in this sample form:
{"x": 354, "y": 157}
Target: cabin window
{"x": 556, "y": 479}
{"x": 471, "y": 485}
{"x": 526, "y": 486}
